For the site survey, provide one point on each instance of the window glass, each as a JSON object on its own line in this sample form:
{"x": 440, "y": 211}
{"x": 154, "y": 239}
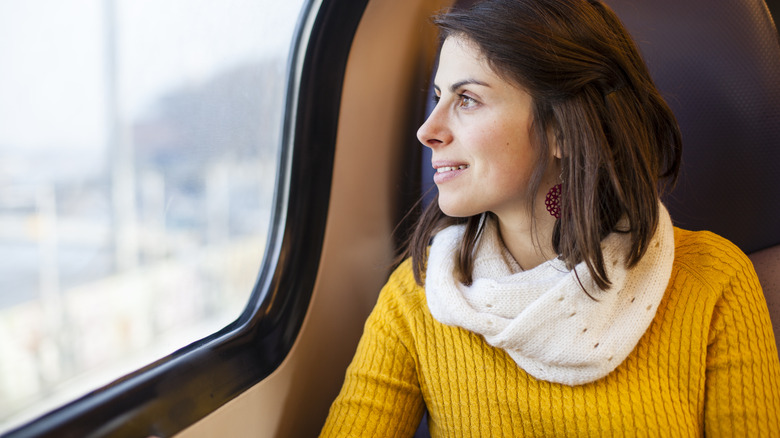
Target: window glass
{"x": 138, "y": 152}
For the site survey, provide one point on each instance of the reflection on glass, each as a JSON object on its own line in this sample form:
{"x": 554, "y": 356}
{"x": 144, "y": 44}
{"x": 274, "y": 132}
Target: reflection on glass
{"x": 138, "y": 145}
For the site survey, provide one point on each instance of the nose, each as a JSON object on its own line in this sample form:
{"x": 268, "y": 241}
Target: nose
{"x": 434, "y": 132}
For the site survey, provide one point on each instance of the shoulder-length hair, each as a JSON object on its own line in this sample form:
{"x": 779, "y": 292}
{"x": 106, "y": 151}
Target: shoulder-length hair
{"x": 590, "y": 87}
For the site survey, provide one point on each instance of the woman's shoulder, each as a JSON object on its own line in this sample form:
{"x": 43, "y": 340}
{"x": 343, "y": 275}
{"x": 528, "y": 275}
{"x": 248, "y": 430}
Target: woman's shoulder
{"x": 706, "y": 245}
{"x": 402, "y": 289}
{"x": 710, "y": 257}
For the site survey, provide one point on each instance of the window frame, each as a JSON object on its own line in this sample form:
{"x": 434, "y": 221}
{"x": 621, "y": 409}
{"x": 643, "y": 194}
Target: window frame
{"x": 173, "y": 393}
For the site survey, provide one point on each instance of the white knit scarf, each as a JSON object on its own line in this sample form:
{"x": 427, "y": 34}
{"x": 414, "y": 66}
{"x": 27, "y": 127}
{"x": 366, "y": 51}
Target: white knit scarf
{"x": 542, "y": 317}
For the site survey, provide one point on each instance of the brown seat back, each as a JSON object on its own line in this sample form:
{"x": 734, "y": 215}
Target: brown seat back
{"x": 718, "y": 66}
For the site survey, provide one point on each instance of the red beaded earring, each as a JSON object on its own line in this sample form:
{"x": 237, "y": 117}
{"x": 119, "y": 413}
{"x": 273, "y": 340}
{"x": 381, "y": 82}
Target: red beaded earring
{"x": 553, "y": 201}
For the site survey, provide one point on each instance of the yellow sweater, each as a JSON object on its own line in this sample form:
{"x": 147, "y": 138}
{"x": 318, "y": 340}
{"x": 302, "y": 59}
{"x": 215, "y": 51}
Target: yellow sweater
{"x": 708, "y": 364}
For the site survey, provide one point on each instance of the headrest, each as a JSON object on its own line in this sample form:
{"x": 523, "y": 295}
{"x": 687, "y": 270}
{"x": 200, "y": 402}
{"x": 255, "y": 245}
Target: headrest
{"x": 718, "y": 66}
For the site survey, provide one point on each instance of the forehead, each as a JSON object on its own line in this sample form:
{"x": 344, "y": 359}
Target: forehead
{"x": 459, "y": 59}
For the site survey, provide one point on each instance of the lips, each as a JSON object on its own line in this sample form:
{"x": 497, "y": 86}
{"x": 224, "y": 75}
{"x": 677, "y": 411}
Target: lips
{"x": 446, "y": 171}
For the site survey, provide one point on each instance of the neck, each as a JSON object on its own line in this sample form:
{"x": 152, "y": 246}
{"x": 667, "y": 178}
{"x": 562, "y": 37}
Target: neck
{"x": 529, "y": 245}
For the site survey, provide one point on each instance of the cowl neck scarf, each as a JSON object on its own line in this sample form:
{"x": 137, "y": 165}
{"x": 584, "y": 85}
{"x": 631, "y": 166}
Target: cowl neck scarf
{"x": 542, "y": 317}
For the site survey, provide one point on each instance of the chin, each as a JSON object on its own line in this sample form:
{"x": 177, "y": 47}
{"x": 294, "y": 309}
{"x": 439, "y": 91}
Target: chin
{"x": 456, "y": 210}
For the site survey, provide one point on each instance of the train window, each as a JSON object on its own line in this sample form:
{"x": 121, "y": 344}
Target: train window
{"x": 139, "y": 143}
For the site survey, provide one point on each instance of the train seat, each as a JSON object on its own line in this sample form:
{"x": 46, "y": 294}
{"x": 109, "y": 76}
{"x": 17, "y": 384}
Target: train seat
{"x": 718, "y": 66}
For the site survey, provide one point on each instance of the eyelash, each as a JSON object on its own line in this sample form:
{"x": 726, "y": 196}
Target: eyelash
{"x": 461, "y": 99}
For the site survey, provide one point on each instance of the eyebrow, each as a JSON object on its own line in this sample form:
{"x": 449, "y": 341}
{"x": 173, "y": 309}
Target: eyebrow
{"x": 454, "y": 87}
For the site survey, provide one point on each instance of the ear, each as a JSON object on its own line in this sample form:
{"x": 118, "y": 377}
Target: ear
{"x": 556, "y": 149}
{"x": 552, "y": 141}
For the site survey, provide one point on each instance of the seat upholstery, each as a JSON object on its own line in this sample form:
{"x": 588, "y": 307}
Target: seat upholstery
{"x": 718, "y": 66}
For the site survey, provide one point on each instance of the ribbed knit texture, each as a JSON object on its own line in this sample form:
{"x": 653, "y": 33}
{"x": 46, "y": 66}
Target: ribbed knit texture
{"x": 708, "y": 364}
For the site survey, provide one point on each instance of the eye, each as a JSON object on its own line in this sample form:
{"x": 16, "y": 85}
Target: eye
{"x": 467, "y": 102}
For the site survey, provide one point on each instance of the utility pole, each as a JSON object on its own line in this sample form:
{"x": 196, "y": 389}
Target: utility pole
{"x": 120, "y": 154}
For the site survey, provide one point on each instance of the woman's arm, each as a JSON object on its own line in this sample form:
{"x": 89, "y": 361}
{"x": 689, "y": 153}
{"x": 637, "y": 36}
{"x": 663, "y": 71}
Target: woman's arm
{"x": 743, "y": 371}
{"x": 381, "y": 394}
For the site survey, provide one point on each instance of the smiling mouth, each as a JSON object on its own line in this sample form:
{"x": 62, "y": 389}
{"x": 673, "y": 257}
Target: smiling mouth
{"x": 451, "y": 168}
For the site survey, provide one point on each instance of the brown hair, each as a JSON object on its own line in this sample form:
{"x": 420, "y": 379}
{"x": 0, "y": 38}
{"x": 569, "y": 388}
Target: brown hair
{"x": 591, "y": 88}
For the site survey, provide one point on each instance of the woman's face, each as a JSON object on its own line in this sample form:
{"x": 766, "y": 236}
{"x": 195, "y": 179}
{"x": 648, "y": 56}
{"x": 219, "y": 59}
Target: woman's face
{"x": 479, "y": 134}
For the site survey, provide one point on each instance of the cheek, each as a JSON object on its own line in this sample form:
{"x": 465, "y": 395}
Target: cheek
{"x": 514, "y": 163}
{"x": 513, "y": 178}
{"x": 504, "y": 148}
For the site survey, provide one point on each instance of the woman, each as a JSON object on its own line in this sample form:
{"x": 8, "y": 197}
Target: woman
{"x": 557, "y": 298}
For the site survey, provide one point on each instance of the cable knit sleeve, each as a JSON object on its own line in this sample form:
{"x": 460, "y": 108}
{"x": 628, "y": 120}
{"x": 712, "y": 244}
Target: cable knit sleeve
{"x": 743, "y": 372}
{"x": 381, "y": 395}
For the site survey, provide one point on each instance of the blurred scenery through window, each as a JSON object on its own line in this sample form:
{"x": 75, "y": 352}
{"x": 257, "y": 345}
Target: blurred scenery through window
{"x": 138, "y": 152}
